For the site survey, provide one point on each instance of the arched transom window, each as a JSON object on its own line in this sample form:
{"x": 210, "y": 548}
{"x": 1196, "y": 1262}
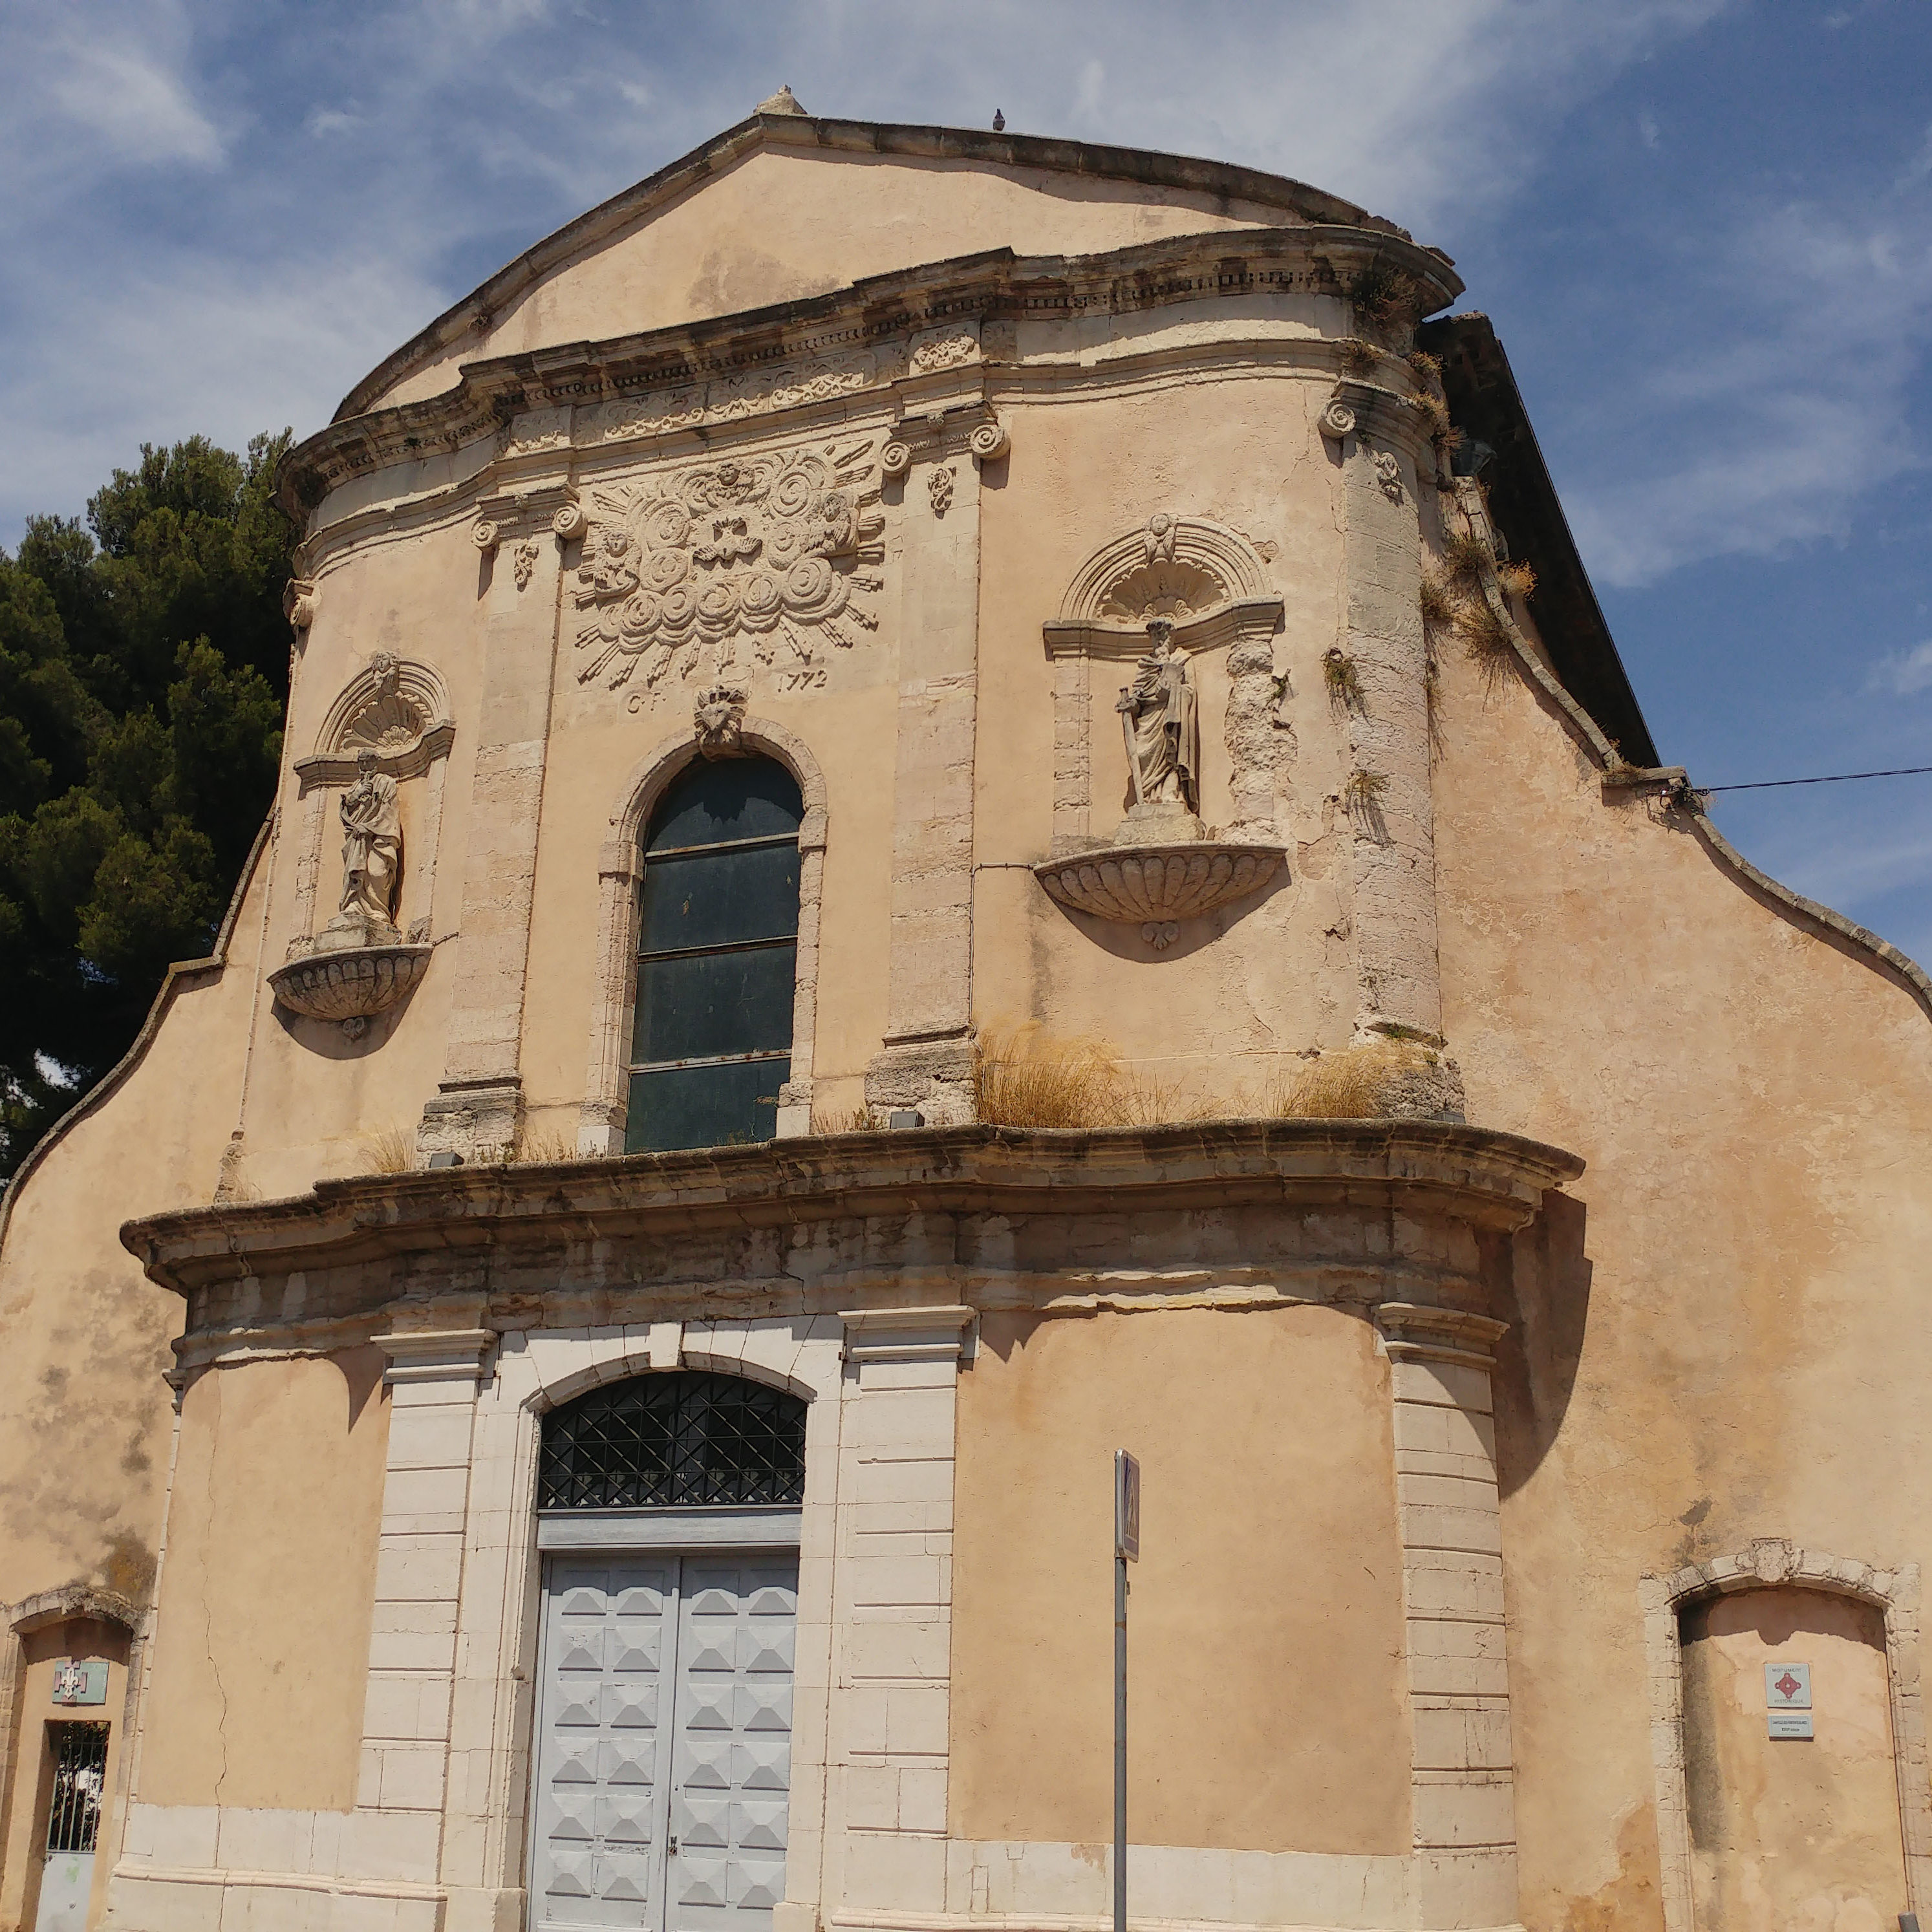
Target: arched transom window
{"x": 687, "y": 1439}
{"x": 717, "y": 957}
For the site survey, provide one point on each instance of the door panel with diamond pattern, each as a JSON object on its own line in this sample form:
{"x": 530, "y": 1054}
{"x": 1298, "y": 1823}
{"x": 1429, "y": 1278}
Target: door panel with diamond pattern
{"x": 664, "y": 1740}
{"x": 731, "y": 1743}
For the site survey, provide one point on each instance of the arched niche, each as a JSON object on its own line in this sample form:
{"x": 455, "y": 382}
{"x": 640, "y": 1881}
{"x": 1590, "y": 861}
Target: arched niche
{"x": 1776, "y": 1563}
{"x": 1211, "y": 584}
{"x": 397, "y": 709}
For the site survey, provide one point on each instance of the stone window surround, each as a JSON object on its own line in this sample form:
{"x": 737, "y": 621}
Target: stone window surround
{"x": 620, "y": 870}
{"x": 1777, "y": 1562}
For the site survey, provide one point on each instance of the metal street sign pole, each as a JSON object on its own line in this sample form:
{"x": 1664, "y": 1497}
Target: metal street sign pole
{"x": 1127, "y": 1548}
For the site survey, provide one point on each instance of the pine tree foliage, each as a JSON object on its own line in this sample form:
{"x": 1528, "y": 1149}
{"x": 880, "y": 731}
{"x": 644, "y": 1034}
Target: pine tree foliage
{"x": 143, "y": 670}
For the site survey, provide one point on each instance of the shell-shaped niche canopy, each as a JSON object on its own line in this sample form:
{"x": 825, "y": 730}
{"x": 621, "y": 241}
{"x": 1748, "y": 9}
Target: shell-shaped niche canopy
{"x": 1178, "y": 568}
{"x": 393, "y": 706}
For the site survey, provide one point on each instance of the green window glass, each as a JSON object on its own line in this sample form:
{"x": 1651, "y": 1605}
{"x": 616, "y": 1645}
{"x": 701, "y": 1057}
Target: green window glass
{"x": 717, "y": 955}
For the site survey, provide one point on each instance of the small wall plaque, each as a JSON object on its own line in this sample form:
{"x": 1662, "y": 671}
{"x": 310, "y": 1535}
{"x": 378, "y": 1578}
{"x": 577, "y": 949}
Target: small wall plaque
{"x": 80, "y": 1683}
{"x": 1787, "y": 1699}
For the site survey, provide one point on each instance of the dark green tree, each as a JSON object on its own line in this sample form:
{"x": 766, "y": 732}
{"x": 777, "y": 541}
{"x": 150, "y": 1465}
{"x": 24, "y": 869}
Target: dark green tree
{"x": 143, "y": 672}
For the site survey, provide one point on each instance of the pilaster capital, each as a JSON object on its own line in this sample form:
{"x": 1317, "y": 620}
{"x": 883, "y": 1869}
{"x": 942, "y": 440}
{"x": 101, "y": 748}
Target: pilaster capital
{"x": 438, "y": 1355}
{"x": 1412, "y": 1332}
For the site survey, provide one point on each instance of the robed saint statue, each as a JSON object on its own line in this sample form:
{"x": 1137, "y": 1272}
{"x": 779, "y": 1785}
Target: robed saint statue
{"x": 1162, "y": 726}
{"x": 372, "y": 843}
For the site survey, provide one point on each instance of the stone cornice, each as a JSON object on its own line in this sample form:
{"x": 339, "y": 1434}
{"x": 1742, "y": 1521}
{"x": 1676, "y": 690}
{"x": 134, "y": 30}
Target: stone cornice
{"x": 1226, "y": 182}
{"x": 996, "y": 285}
{"x": 406, "y": 1233}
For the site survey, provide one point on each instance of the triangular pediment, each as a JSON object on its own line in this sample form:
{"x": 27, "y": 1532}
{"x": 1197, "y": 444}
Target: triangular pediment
{"x": 785, "y": 206}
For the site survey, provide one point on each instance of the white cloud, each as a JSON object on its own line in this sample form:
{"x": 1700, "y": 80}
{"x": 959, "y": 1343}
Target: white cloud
{"x": 1903, "y": 674}
{"x": 1762, "y": 397}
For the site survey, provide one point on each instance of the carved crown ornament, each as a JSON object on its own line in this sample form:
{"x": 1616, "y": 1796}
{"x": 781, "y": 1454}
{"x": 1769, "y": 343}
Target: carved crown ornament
{"x": 771, "y": 550}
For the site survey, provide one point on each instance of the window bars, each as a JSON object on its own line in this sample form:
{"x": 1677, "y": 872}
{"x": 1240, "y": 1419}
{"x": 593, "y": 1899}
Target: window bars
{"x": 687, "y": 1439}
{"x": 80, "y": 1779}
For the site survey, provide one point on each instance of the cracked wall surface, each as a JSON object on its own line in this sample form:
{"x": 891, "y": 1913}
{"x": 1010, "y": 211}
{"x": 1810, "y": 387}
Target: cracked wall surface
{"x": 255, "y": 1700}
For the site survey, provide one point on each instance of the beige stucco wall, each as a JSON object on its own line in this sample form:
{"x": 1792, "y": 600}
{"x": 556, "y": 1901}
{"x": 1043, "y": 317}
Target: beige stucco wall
{"x": 1789, "y": 1831}
{"x": 84, "y": 1425}
{"x": 264, "y": 1617}
{"x": 1721, "y": 1339}
{"x": 1267, "y": 1709}
{"x": 780, "y": 224}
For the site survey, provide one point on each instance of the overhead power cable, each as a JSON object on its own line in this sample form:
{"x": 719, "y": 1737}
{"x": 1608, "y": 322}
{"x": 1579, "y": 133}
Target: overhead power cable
{"x": 1836, "y": 778}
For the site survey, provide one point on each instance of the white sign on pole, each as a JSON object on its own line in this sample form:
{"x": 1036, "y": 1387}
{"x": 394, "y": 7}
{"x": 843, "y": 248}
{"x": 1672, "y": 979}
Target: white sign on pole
{"x": 1126, "y": 1506}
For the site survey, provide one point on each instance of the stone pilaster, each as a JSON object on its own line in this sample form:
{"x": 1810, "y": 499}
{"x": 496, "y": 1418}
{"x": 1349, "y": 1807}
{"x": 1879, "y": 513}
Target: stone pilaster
{"x": 1387, "y": 787}
{"x": 402, "y": 1789}
{"x": 892, "y": 1611}
{"x": 926, "y": 1059}
{"x": 1462, "y": 1781}
{"x": 478, "y": 1109}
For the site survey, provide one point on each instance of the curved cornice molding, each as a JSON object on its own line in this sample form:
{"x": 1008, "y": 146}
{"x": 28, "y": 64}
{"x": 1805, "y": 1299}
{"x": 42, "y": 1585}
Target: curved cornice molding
{"x": 1482, "y": 1177}
{"x": 1236, "y": 265}
{"x": 1298, "y": 201}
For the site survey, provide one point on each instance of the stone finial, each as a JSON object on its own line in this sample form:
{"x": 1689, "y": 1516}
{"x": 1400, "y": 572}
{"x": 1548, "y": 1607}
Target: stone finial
{"x": 783, "y": 102}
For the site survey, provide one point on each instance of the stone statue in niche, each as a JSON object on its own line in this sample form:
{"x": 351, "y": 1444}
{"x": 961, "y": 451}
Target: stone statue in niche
{"x": 1161, "y": 721}
{"x": 372, "y": 846}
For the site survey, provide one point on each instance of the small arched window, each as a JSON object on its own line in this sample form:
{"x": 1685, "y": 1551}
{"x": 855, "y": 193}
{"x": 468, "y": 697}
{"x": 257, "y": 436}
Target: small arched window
{"x": 687, "y": 1439}
{"x": 717, "y": 957}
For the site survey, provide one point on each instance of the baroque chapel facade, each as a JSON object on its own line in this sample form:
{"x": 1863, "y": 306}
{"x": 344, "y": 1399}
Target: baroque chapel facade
{"x": 534, "y": 1398}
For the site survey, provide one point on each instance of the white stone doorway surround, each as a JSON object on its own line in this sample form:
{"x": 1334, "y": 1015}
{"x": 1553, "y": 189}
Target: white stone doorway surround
{"x": 437, "y": 1841}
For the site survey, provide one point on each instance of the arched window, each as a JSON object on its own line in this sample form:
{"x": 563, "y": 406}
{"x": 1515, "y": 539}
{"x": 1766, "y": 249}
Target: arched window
{"x": 688, "y": 1439}
{"x": 717, "y": 955}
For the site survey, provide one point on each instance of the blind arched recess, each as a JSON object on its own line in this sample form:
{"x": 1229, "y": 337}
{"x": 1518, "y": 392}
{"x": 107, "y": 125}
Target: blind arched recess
{"x": 686, "y": 1439}
{"x": 717, "y": 958}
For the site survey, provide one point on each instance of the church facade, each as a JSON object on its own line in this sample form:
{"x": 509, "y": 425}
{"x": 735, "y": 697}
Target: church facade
{"x": 571, "y": 1379}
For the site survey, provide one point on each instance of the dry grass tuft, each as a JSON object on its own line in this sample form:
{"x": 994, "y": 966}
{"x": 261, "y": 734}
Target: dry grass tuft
{"x": 1437, "y": 603}
{"x": 1518, "y": 579}
{"x": 1345, "y": 687}
{"x": 550, "y": 1148}
{"x": 1486, "y": 636}
{"x": 390, "y": 1150}
{"x": 1384, "y": 297}
{"x": 1428, "y": 366}
{"x": 862, "y": 1120}
{"x": 1435, "y": 413}
{"x": 1358, "y": 358}
{"x": 1356, "y": 1084}
{"x": 1364, "y": 792}
{"x": 1025, "y": 1078}
{"x": 1468, "y": 558}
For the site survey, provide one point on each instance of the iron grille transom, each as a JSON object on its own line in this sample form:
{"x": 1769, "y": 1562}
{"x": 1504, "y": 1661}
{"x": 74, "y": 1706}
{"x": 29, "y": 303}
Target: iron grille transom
{"x": 682, "y": 1439}
{"x": 80, "y": 1781}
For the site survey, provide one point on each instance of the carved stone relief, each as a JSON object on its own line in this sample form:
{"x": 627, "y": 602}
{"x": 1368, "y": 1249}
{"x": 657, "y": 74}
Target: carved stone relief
{"x": 718, "y": 719}
{"x": 676, "y": 569}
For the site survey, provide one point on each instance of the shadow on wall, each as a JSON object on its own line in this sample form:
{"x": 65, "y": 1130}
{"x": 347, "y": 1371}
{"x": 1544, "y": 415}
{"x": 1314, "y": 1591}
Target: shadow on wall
{"x": 1537, "y": 1360}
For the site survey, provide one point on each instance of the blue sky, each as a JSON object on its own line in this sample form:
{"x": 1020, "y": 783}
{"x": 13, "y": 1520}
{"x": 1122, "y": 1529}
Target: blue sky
{"x": 1704, "y": 231}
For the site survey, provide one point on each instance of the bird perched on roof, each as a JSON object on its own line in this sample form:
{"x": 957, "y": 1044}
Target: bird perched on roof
{"x": 999, "y": 121}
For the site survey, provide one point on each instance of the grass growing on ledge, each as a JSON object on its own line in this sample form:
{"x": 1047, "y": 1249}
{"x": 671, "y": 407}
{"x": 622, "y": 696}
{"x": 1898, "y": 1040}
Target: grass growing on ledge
{"x": 1023, "y": 1077}
{"x": 1357, "y": 1084}
{"x": 550, "y": 1148}
{"x": 861, "y": 1119}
